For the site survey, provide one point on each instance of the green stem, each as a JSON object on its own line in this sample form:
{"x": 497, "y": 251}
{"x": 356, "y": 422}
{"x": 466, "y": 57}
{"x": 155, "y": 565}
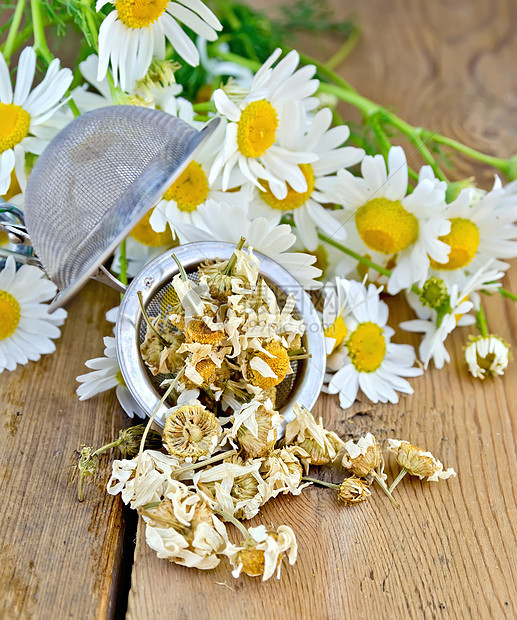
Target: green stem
{"x": 481, "y": 322}
{"x": 401, "y": 475}
{"x": 509, "y": 295}
{"x": 73, "y": 106}
{"x": 204, "y": 106}
{"x": 182, "y": 271}
{"x": 344, "y": 51}
{"x": 108, "y": 446}
{"x": 40, "y": 42}
{"x": 236, "y": 522}
{"x": 227, "y": 271}
{"x": 380, "y": 135}
{"x": 321, "y": 482}
{"x": 383, "y": 486}
{"x": 212, "y": 459}
{"x": 358, "y": 257}
{"x": 123, "y": 263}
{"x": 13, "y": 31}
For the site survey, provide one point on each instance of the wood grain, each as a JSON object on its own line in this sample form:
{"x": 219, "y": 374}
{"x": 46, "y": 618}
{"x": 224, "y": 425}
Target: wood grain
{"x": 58, "y": 557}
{"x": 449, "y": 552}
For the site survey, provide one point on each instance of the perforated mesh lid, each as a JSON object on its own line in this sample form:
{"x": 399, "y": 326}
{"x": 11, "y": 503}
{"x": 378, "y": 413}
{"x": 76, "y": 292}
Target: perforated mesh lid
{"x": 95, "y": 180}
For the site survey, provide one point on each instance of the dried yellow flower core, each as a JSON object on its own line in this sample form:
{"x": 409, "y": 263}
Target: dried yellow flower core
{"x": 293, "y": 200}
{"x": 206, "y": 368}
{"x": 385, "y": 226}
{"x": 14, "y": 125}
{"x": 464, "y": 242}
{"x": 140, "y": 13}
{"x": 9, "y": 314}
{"x": 190, "y": 431}
{"x": 252, "y": 562}
{"x": 256, "y": 128}
{"x": 338, "y": 331}
{"x": 198, "y": 331}
{"x": 366, "y": 347}
{"x": 144, "y": 234}
{"x": 190, "y": 189}
{"x": 278, "y": 364}
{"x": 353, "y": 490}
{"x": 415, "y": 461}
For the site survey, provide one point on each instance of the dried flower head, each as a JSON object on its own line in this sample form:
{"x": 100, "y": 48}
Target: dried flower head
{"x": 353, "y": 490}
{"x": 321, "y": 445}
{"x": 282, "y": 470}
{"x": 417, "y": 462}
{"x": 262, "y": 553}
{"x": 487, "y": 355}
{"x": 219, "y": 283}
{"x": 362, "y": 457}
{"x": 191, "y": 432}
{"x": 183, "y": 529}
{"x": 129, "y": 440}
{"x": 197, "y": 330}
{"x": 270, "y": 370}
{"x": 255, "y": 427}
{"x": 159, "y": 349}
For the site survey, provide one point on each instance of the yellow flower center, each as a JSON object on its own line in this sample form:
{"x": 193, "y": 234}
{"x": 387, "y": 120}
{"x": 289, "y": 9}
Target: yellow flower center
{"x": 366, "y": 347}
{"x": 9, "y": 314}
{"x": 337, "y": 330}
{"x": 385, "y": 226}
{"x": 256, "y": 129}
{"x": 144, "y": 234}
{"x": 464, "y": 242}
{"x": 120, "y": 378}
{"x": 293, "y": 200}
{"x": 140, "y": 13}
{"x": 190, "y": 189}
{"x": 14, "y": 125}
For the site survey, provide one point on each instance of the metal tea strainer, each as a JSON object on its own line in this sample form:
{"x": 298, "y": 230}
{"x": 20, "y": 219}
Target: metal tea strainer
{"x": 95, "y": 180}
{"x": 154, "y": 281}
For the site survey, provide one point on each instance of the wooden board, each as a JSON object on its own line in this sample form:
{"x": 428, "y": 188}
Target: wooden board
{"x": 58, "y": 557}
{"x": 449, "y": 551}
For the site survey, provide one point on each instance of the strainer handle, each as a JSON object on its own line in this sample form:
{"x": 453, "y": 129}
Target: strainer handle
{"x": 105, "y": 277}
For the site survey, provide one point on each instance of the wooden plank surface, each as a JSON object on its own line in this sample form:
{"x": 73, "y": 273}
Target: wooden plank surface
{"x": 450, "y": 550}
{"x": 58, "y": 558}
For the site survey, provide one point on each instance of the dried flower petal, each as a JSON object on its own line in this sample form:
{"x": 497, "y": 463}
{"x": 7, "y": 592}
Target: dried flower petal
{"x": 159, "y": 358}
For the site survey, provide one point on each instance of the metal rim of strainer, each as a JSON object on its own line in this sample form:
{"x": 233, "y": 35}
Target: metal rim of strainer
{"x": 158, "y": 273}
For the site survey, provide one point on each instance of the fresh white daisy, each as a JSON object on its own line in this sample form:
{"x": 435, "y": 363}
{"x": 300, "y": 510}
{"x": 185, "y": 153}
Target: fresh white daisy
{"x": 487, "y": 355}
{"x": 137, "y": 30}
{"x": 106, "y": 375}
{"x": 369, "y": 360}
{"x": 26, "y": 329}
{"x": 256, "y": 120}
{"x": 482, "y": 229}
{"x": 25, "y": 115}
{"x": 393, "y": 225}
{"x": 192, "y": 188}
{"x": 448, "y": 309}
{"x": 306, "y": 207}
{"x": 218, "y": 221}
{"x": 142, "y": 245}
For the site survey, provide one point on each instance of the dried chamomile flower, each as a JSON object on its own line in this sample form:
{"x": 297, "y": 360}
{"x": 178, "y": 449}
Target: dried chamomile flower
{"x": 269, "y": 369}
{"x": 353, "y": 490}
{"x": 160, "y": 348}
{"x": 282, "y": 470}
{"x": 262, "y": 552}
{"x": 191, "y": 432}
{"x": 364, "y": 459}
{"x": 197, "y": 330}
{"x": 156, "y": 472}
{"x": 321, "y": 445}
{"x": 255, "y": 427}
{"x": 487, "y": 355}
{"x": 417, "y": 462}
{"x": 235, "y": 487}
{"x": 183, "y": 529}
{"x": 218, "y": 279}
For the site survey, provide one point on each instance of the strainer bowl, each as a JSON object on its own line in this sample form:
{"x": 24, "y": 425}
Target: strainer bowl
{"x": 303, "y": 386}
